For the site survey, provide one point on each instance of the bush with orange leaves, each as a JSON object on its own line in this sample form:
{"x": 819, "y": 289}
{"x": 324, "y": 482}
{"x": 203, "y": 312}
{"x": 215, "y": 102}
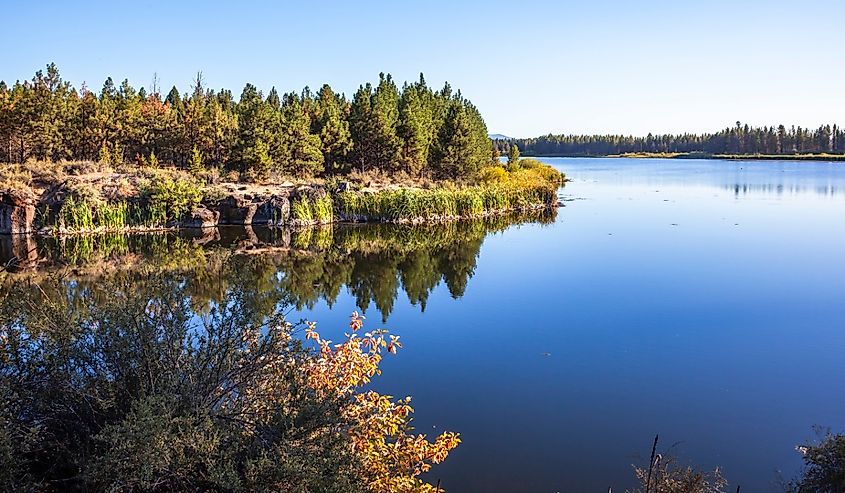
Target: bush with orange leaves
{"x": 129, "y": 389}
{"x": 379, "y": 428}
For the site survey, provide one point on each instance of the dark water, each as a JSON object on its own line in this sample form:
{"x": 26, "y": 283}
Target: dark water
{"x": 701, "y": 300}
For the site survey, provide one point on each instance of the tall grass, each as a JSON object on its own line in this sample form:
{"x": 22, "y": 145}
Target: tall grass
{"x": 77, "y": 215}
{"x": 301, "y": 211}
{"x": 323, "y": 209}
{"x": 529, "y": 185}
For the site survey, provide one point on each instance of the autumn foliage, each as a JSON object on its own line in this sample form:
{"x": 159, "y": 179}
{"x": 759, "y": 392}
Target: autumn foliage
{"x": 380, "y": 428}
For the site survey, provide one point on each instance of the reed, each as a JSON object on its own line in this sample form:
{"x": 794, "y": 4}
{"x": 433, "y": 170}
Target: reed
{"x": 322, "y": 209}
{"x": 301, "y": 210}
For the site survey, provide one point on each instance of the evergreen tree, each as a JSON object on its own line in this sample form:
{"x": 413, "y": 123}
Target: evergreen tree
{"x": 385, "y": 113}
{"x": 303, "y": 155}
{"x": 416, "y": 126}
{"x": 456, "y": 144}
{"x": 362, "y": 127}
{"x": 332, "y": 126}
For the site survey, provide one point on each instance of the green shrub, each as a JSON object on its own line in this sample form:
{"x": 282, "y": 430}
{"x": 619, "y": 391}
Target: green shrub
{"x": 176, "y": 197}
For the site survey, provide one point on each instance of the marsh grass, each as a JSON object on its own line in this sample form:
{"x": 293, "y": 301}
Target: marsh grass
{"x": 530, "y": 184}
{"x": 322, "y": 209}
{"x": 301, "y": 210}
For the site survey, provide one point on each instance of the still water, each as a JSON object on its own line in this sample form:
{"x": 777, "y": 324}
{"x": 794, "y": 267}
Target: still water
{"x": 701, "y": 300}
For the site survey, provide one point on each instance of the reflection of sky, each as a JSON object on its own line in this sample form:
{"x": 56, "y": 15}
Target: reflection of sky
{"x": 668, "y": 303}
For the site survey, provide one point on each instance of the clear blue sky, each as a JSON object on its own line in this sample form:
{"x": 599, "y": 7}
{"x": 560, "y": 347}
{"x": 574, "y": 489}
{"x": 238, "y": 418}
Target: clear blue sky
{"x": 532, "y": 67}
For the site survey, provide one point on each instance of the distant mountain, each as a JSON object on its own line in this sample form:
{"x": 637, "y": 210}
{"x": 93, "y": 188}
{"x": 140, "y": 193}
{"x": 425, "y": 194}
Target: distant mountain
{"x": 499, "y": 137}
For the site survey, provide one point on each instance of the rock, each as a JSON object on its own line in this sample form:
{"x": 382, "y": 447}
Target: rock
{"x": 312, "y": 192}
{"x": 201, "y": 217}
{"x": 236, "y": 210}
{"x": 17, "y": 212}
{"x": 275, "y": 211}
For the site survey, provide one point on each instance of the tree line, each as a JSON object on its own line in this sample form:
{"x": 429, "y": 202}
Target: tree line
{"x": 415, "y": 129}
{"x": 739, "y": 139}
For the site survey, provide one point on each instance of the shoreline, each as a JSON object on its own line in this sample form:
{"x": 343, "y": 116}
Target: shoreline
{"x": 294, "y": 208}
{"x": 833, "y": 158}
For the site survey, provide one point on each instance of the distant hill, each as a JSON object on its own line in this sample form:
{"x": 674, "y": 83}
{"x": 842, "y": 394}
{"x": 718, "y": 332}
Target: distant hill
{"x": 500, "y": 137}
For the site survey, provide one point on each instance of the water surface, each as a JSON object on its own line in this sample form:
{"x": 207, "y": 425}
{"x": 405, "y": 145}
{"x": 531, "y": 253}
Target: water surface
{"x": 701, "y": 300}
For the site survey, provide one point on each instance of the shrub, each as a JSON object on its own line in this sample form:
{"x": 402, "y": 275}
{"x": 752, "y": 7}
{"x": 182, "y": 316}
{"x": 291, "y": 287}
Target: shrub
{"x": 664, "y": 475}
{"x": 175, "y": 197}
{"x": 824, "y": 465}
{"x": 129, "y": 391}
{"x": 104, "y": 156}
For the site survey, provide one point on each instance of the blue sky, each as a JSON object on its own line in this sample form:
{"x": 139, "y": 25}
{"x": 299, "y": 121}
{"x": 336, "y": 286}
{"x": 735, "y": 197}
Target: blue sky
{"x": 532, "y": 67}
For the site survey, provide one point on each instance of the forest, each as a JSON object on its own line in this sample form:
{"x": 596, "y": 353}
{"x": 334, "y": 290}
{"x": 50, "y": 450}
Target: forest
{"x": 740, "y": 139}
{"x": 416, "y": 129}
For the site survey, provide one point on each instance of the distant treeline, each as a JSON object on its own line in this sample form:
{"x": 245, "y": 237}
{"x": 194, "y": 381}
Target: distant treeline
{"x": 740, "y": 139}
{"x": 421, "y": 131}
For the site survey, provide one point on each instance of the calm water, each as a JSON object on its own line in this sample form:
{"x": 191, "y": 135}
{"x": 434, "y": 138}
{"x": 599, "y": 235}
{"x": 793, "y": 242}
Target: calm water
{"x": 701, "y": 300}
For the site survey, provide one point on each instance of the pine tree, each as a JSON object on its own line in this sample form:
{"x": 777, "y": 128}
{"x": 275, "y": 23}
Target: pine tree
{"x": 362, "y": 128}
{"x": 385, "y": 113}
{"x": 416, "y": 126}
{"x": 332, "y": 126}
{"x": 455, "y": 144}
{"x": 257, "y": 137}
{"x": 304, "y": 156}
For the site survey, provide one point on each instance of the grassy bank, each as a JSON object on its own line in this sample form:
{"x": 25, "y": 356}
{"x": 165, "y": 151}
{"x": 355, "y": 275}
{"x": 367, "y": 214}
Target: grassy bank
{"x": 528, "y": 185}
{"x": 91, "y": 197}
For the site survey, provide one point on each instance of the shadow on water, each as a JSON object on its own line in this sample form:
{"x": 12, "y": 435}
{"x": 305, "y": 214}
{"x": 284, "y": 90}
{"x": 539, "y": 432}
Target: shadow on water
{"x": 373, "y": 262}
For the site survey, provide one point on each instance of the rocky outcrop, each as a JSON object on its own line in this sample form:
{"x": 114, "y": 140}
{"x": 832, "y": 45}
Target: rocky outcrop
{"x": 237, "y": 210}
{"x": 201, "y": 217}
{"x": 17, "y": 212}
{"x": 275, "y": 211}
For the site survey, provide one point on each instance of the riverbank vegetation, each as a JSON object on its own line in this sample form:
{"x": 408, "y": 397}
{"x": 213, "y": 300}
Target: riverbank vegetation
{"x": 738, "y": 140}
{"x": 520, "y": 185}
{"x": 127, "y": 159}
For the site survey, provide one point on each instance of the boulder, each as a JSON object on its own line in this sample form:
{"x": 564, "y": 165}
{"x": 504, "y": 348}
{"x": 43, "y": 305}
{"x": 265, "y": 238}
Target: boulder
{"x": 236, "y": 210}
{"x": 274, "y": 211}
{"x": 17, "y": 212}
{"x": 201, "y": 217}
